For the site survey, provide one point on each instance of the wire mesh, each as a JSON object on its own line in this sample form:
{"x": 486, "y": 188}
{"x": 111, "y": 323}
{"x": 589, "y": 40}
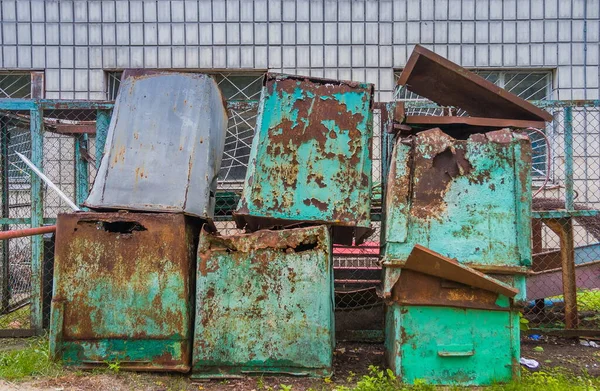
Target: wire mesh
{"x": 546, "y": 307}
{"x": 15, "y": 274}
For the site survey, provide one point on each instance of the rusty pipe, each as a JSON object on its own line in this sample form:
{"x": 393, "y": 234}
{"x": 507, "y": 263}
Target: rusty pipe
{"x": 19, "y": 233}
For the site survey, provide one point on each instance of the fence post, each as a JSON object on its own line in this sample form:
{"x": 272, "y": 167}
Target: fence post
{"x": 37, "y": 218}
{"x": 5, "y": 214}
{"x": 102, "y": 123}
{"x": 569, "y": 193}
{"x": 82, "y": 182}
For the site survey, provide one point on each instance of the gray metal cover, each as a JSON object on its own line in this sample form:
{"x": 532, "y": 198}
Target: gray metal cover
{"x": 164, "y": 146}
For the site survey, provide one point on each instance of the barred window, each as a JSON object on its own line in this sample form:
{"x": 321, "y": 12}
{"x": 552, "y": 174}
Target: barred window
{"x": 235, "y": 86}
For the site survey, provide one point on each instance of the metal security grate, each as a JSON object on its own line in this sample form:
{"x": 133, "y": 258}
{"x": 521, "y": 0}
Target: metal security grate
{"x": 15, "y": 85}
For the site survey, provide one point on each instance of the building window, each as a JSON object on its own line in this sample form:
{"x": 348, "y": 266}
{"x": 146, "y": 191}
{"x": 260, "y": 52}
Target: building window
{"x": 18, "y": 85}
{"x": 529, "y": 85}
{"x": 15, "y": 85}
{"x": 244, "y": 87}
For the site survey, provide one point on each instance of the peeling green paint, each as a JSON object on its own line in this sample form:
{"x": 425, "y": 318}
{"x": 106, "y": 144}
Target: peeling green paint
{"x": 446, "y": 346}
{"x": 264, "y": 304}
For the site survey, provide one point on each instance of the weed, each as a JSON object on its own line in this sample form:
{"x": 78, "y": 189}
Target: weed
{"x": 33, "y": 360}
{"x": 284, "y": 387}
{"x": 260, "y": 383}
{"x": 113, "y": 366}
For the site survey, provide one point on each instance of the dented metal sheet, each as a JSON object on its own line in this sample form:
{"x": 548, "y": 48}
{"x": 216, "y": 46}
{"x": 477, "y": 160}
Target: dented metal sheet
{"x": 448, "y": 84}
{"x": 164, "y": 146}
{"x": 264, "y": 304}
{"x": 423, "y": 260}
{"x": 465, "y": 199}
{"x": 311, "y": 157}
{"x": 122, "y": 290}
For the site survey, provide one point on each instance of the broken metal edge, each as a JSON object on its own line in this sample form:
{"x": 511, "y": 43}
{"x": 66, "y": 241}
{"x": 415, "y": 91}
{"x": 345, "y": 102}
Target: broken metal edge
{"x": 483, "y": 268}
{"x": 269, "y": 76}
{"x": 420, "y": 51}
{"x": 343, "y": 233}
{"x": 472, "y": 121}
{"x": 148, "y": 211}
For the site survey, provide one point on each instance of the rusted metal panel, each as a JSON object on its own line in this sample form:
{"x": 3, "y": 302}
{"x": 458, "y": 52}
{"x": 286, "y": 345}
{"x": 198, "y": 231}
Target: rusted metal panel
{"x": 264, "y": 303}
{"x": 423, "y": 260}
{"x": 450, "y": 324}
{"x": 448, "y": 84}
{"x": 465, "y": 199}
{"x": 474, "y": 122}
{"x": 164, "y": 146}
{"x": 123, "y": 290}
{"x": 311, "y": 157}
{"x": 452, "y": 346}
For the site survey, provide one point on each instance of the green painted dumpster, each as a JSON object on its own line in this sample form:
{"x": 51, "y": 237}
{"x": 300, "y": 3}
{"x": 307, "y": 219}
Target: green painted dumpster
{"x": 311, "y": 157}
{"x": 123, "y": 290}
{"x": 448, "y": 324}
{"x": 264, "y": 304}
{"x": 468, "y": 199}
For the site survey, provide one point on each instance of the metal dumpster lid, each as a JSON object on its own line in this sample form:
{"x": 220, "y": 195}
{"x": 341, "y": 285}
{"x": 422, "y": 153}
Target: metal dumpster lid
{"x": 448, "y": 84}
{"x": 423, "y": 260}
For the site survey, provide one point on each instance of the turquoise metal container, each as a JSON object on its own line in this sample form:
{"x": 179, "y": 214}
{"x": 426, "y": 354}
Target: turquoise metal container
{"x": 123, "y": 290}
{"x": 468, "y": 199}
{"x": 311, "y": 157}
{"x": 264, "y": 304}
{"x": 447, "y": 324}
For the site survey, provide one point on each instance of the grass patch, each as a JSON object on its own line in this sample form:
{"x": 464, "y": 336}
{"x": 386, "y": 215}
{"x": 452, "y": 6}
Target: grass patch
{"x": 18, "y": 319}
{"x": 556, "y": 379}
{"x": 587, "y": 300}
{"x": 33, "y": 360}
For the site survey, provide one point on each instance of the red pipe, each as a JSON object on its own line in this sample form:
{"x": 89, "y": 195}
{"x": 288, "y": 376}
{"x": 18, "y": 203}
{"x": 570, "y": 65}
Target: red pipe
{"x": 19, "y": 233}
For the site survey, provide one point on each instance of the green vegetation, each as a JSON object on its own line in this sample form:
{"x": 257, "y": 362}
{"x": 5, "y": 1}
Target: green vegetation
{"x": 18, "y": 319}
{"x": 33, "y": 360}
{"x": 587, "y": 300}
{"x": 552, "y": 380}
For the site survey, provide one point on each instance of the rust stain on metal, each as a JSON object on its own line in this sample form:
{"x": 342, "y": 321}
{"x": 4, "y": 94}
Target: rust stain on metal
{"x": 125, "y": 277}
{"x": 313, "y": 156}
{"x": 423, "y": 260}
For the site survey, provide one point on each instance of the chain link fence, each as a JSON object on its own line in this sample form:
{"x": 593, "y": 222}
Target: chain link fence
{"x": 67, "y": 141}
{"x": 571, "y": 176}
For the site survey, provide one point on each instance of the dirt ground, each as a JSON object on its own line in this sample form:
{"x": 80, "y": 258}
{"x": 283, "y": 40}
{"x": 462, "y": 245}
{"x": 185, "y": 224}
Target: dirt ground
{"x": 351, "y": 361}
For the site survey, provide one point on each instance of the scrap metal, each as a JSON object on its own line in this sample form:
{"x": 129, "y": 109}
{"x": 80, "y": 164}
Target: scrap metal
{"x": 311, "y": 157}
{"x": 164, "y": 146}
{"x": 123, "y": 290}
{"x": 449, "y": 324}
{"x": 264, "y": 304}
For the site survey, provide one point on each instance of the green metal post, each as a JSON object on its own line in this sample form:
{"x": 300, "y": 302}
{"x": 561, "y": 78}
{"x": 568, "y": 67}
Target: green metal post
{"x": 37, "y": 219}
{"x": 102, "y": 123}
{"x": 5, "y": 270}
{"x": 569, "y": 196}
{"x": 82, "y": 182}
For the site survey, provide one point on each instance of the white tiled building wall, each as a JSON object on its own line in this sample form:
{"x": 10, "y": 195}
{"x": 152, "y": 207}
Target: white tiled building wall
{"x": 74, "y": 42}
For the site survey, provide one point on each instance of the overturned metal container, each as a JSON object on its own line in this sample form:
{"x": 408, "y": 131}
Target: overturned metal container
{"x": 123, "y": 290}
{"x": 311, "y": 157}
{"x": 164, "y": 146}
{"x": 264, "y": 304}
{"x": 467, "y": 199}
{"x": 448, "y": 324}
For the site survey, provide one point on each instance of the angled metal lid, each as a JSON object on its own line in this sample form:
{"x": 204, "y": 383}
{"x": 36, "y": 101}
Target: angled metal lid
{"x": 425, "y": 261}
{"x": 448, "y": 84}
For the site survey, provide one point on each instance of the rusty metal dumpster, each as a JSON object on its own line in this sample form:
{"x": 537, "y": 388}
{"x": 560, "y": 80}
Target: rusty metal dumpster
{"x": 164, "y": 146}
{"x": 123, "y": 290}
{"x": 448, "y": 324}
{"x": 264, "y": 304}
{"x": 311, "y": 157}
{"x": 466, "y": 199}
